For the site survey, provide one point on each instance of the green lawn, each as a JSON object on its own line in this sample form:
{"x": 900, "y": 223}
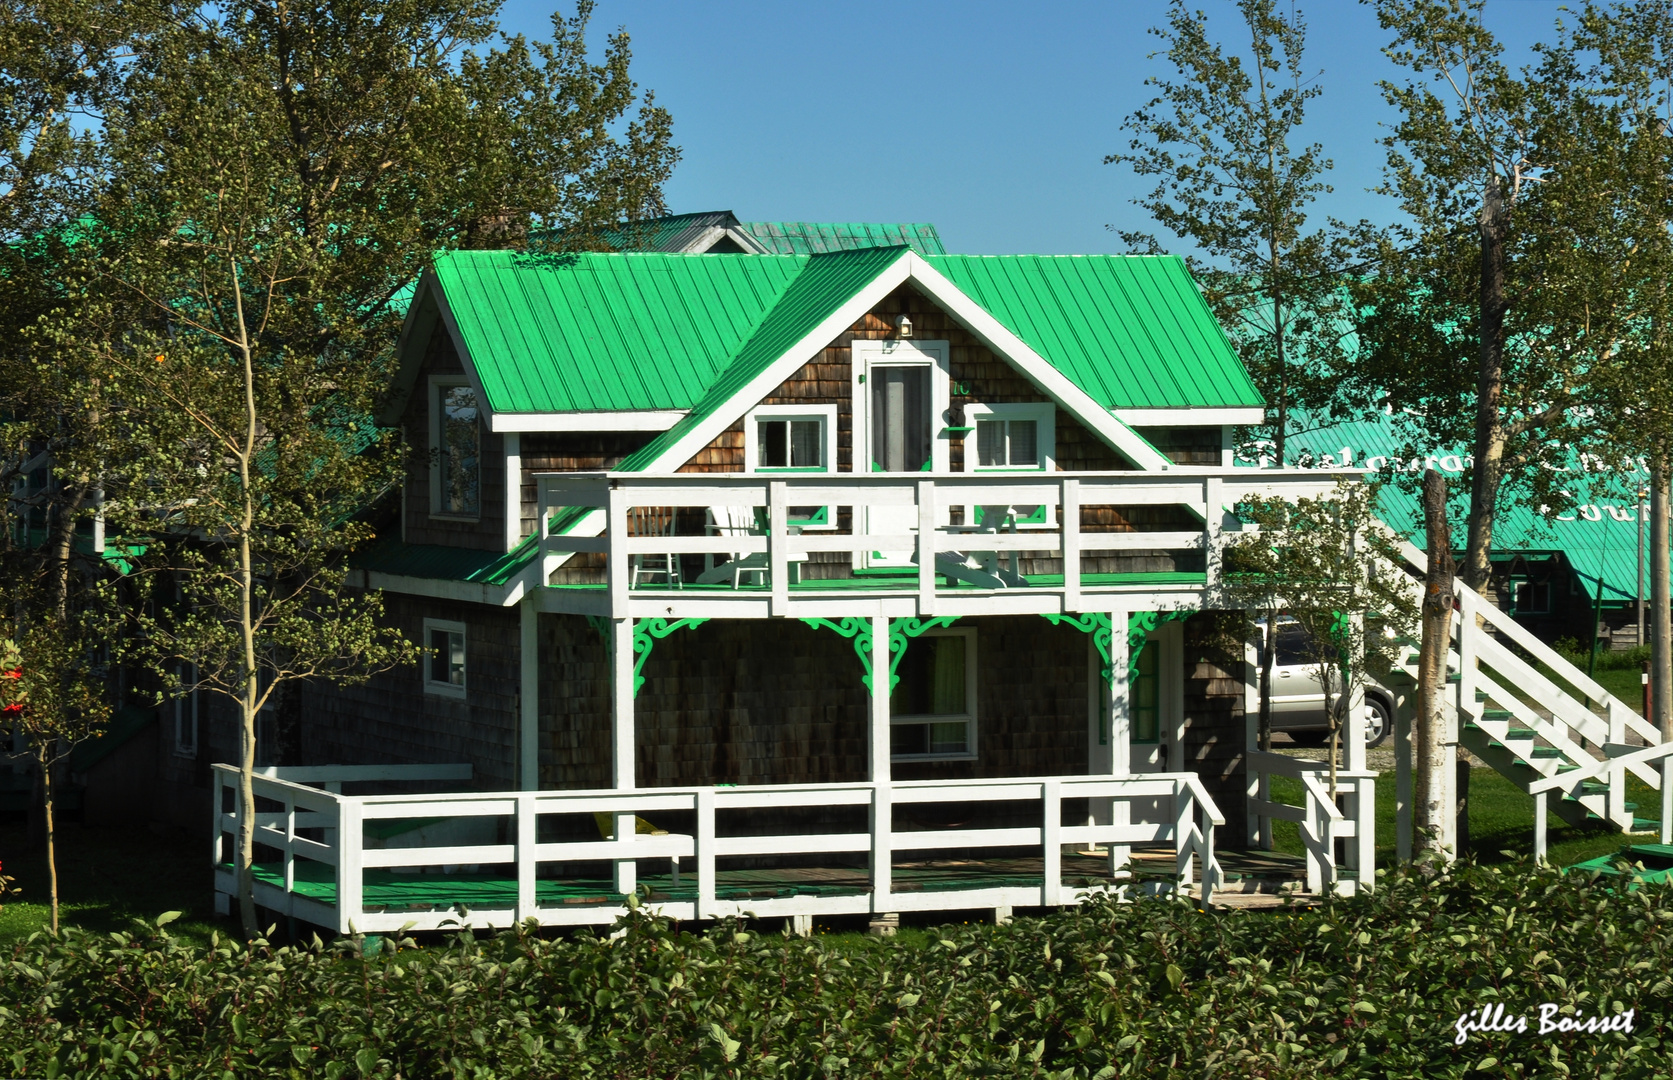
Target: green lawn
{"x": 107, "y": 878}
{"x": 1501, "y": 820}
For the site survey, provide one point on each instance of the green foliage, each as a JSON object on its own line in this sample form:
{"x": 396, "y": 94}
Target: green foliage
{"x": 1369, "y": 986}
{"x": 1233, "y": 179}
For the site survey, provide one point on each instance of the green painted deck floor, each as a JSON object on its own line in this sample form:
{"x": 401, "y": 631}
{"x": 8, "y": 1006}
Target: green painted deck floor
{"x": 391, "y": 891}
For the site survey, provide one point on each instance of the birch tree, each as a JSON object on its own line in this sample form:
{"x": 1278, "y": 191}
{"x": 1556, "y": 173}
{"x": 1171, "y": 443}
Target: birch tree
{"x": 1237, "y": 183}
{"x": 281, "y": 175}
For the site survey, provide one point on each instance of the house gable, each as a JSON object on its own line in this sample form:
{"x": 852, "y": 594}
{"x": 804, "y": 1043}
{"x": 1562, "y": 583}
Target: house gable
{"x": 770, "y": 358}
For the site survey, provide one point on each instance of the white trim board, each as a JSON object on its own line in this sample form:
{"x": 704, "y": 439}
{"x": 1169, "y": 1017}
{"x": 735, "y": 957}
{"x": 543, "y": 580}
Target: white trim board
{"x": 1188, "y": 417}
{"x": 600, "y": 420}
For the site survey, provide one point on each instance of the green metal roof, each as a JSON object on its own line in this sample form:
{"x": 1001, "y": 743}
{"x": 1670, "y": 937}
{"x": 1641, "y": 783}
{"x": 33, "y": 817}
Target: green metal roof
{"x": 1132, "y": 331}
{"x": 594, "y": 332}
{"x": 1606, "y": 546}
{"x": 814, "y": 237}
{"x": 556, "y": 333}
{"x": 828, "y": 282}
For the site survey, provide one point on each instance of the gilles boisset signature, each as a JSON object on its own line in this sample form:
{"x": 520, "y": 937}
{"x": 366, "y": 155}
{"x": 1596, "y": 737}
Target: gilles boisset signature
{"x": 1492, "y": 1018}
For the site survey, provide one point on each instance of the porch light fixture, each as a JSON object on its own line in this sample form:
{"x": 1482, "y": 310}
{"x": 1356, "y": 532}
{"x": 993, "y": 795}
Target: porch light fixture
{"x": 903, "y": 325}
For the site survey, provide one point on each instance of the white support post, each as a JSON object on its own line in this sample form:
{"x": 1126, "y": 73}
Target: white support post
{"x": 350, "y": 831}
{"x": 1365, "y": 833}
{"x": 927, "y": 511}
{"x": 622, "y": 740}
{"x": 1464, "y": 711}
{"x": 1617, "y": 774}
{"x": 1213, "y": 515}
{"x": 290, "y": 845}
{"x": 1257, "y": 826}
{"x": 705, "y": 852}
{"x": 1666, "y": 836}
{"x": 778, "y": 556}
{"x": 1354, "y": 735}
{"x": 528, "y": 694}
{"x": 1184, "y": 805}
{"x": 882, "y": 799}
{"x": 1119, "y": 723}
{"x": 1051, "y": 832}
{"x": 526, "y": 905}
{"x": 513, "y": 488}
{"x": 618, "y": 567}
{"x": 1070, "y": 525}
{"x": 1539, "y": 825}
{"x": 542, "y": 529}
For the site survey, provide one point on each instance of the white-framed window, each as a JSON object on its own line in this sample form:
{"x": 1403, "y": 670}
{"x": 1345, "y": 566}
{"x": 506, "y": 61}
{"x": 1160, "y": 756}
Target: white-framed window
{"x": 444, "y": 658}
{"x": 932, "y": 710}
{"x": 1529, "y": 597}
{"x": 456, "y": 451}
{"x": 1011, "y": 437}
{"x": 793, "y": 439}
{"x": 186, "y": 714}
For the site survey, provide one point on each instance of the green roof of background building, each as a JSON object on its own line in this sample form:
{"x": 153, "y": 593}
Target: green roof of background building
{"x": 591, "y": 332}
{"x": 1600, "y": 536}
{"x": 816, "y": 238}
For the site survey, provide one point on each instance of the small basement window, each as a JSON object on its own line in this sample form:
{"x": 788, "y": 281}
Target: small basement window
{"x": 444, "y": 658}
{"x": 1530, "y": 597}
{"x": 932, "y": 710}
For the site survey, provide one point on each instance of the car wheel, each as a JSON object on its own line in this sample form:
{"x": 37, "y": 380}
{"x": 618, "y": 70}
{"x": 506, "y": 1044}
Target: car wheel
{"x": 1379, "y": 721}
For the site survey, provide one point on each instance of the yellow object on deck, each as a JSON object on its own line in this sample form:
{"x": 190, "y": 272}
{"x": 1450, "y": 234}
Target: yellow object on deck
{"x": 607, "y": 826}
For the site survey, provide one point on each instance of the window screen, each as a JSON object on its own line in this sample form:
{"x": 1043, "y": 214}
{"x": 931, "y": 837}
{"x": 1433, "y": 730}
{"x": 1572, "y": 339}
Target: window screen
{"x": 900, "y": 420}
{"x": 790, "y": 444}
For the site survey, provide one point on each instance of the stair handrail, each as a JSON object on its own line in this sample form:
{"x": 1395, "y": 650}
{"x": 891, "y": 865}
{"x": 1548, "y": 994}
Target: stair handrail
{"x": 1622, "y": 757}
{"x": 1539, "y": 650}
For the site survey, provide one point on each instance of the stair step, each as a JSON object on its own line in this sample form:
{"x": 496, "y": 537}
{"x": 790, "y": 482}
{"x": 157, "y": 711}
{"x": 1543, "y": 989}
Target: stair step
{"x": 1641, "y": 824}
{"x": 1547, "y": 751}
{"x": 1520, "y": 733}
{"x": 1497, "y": 714}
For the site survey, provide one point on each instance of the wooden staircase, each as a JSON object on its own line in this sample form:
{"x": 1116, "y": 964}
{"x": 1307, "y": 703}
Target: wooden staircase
{"x": 1542, "y": 723}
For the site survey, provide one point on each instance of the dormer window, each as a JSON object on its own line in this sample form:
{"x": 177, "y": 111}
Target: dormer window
{"x": 456, "y": 437}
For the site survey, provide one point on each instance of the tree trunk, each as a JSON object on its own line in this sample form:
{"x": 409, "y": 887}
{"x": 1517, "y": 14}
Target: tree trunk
{"x": 1429, "y": 731}
{"x": 1661, "y": 612}
{"x": 247, "y": 701}
{"x": 1488, "y": 472}
{"x": 43, "y": 757}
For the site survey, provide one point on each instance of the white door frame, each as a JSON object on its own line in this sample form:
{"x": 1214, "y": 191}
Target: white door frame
{"x": 867, "y": 354}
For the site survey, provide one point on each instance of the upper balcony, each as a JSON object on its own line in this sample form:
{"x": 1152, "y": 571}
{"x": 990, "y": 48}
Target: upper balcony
{"x": 630, "y": 545}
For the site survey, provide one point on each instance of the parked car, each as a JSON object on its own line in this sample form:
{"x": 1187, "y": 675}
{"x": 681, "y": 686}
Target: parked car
{"x": 1298, "y": 705}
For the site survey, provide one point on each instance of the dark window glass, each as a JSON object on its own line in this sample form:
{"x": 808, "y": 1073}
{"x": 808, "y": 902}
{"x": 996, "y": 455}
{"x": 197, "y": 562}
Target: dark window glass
{"x": 460, "y": 450}
{"x": 900, "y": 420}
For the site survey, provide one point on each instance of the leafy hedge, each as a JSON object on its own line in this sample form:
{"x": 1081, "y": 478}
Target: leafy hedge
{"x": 1369, "y": 986}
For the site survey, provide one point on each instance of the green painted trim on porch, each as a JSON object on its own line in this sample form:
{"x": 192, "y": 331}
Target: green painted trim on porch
{"x": 857, "y": 629}
{"x": 901, "y": 632}
{"x": 646, "y": 632}
{"x": 1139, "y": 626}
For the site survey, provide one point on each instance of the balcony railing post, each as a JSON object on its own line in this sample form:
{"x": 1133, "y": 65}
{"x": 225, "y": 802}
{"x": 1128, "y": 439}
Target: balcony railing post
{"x": 1069, "y": 542}
{"x": 618, "y": 563}
{"x": 350, "y": 832}
{"x": 1213, "y": 512}
{"x": 705, "y": 852}
{"x": 778, "y": 557}
{"x": 927, "y": 518}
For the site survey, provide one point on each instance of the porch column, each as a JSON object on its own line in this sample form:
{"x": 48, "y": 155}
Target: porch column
{"x": 1119, "y": 723}
{"x": 513, "y": 489}
{"x": 621, "y": 740}
{"x": 528, "y": 695}
{"x": 882, "y": 800}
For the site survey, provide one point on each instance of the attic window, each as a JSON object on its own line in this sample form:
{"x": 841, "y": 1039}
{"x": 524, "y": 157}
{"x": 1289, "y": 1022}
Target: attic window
{"x": 456, "y": 435}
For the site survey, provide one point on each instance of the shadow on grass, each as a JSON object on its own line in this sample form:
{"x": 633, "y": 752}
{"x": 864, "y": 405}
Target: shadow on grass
{"x": 107, "y": 878}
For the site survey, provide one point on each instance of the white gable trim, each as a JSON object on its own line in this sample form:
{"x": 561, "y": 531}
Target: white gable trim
{"x": 464, "y": 355}
{"x": 704, "y": 432}
{"x": 910, "y": 267}
{"x": 1053, "y": 382}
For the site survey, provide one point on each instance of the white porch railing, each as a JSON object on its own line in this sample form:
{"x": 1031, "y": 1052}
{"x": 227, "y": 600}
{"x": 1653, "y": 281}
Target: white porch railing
{"x": 344, "y": 902}
{"x": 1319, "y": 819}
{"x": 903, "y": 517}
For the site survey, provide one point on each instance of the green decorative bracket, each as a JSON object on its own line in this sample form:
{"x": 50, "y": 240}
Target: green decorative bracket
{"x": 901, "y": 632}
{"x": 601, "y": 626}
{"x": 1139, "y": 626}
{"x": 857, "y": 630}
{"x": 646, "y": 632}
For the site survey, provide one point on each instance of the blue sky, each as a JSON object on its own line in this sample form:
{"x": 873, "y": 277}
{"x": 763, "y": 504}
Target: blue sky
{"x": 990, "y": 120}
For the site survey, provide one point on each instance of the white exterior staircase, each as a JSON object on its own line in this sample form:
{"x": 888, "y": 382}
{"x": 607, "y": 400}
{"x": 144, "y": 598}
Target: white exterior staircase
{"x": 1576, "y": 742}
